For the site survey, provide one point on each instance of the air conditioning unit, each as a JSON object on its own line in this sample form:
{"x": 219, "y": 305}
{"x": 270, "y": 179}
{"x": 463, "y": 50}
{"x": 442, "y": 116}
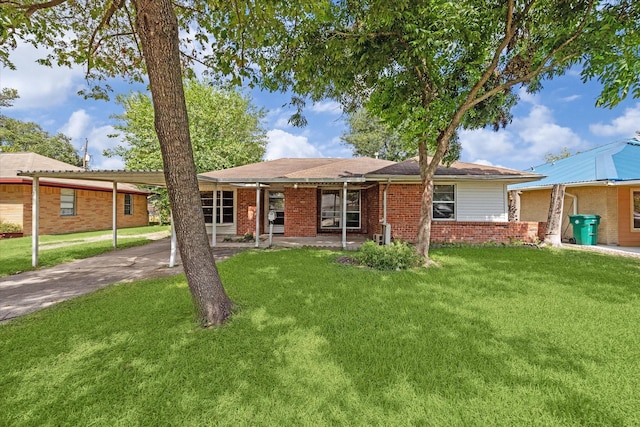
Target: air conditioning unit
{"x": 386, "y": 233}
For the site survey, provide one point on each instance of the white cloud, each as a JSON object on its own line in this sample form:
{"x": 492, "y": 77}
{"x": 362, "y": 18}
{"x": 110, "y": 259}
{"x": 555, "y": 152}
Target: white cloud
{"x": 570, "y": 98}
{"x": 37, "y": 85}
{"x": 283, "y": 144}
{"x": 330, "y": 107}
{"x": 525, "y": 96}
{"x": 81, "y": 127}
{"x": 625, "y": 125}
{"x": 524, "y": 143}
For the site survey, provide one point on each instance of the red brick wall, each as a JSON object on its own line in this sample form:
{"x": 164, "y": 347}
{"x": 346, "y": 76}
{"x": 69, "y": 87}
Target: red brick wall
{"x": 483, "y": 232}
{"x": 246, "y": 214}
{"x": 403, "y": 210}
{"x": 93, "y": 211}
{"x": 300, "y": 212}
{"x": 371, "y": 210}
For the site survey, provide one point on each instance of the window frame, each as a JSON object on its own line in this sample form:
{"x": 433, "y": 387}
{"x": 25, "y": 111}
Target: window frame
{"x": 225, "y": 206}
{"x": 338, "y": 218}
{"x": 634, "y": 192}
{"x": 127, "y": 204}
{"x": 64, "y": 200}
{"x": 453, "y": 202}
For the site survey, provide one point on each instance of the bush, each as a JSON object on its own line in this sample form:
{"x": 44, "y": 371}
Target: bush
{"x": 8, "y": 227}
{"x": 395, "y": 256}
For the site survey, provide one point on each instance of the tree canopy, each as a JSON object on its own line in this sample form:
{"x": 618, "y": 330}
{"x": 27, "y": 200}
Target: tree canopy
{"x": 368, "y": 136}
{"x": 434, "y": 66}
{"x": 225, "y": 126}
{"x": 19, "y": 136}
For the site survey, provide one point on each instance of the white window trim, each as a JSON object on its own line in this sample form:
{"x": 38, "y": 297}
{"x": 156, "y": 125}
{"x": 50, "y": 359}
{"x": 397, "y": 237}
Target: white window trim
{"x": 341, "y": 207}
{"x": 633, "y": 228}
{"x": 75, "y": 202}
{"x": 219, "y": 207}
{"x": 124, "y": 204}
{"x": 454, "y": 202}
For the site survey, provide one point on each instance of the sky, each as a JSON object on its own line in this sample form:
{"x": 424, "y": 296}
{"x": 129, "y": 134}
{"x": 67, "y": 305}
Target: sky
{"x": 562, "y": 114}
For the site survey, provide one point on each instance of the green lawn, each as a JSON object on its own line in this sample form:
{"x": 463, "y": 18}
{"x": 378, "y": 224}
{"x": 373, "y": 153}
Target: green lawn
{"x": 15, "y": 254}
{"x": 495, "y": 336}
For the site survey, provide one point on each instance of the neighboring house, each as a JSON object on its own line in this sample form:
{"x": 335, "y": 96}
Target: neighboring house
{"x": 308, "y": 197}
{"x": 603, "y": 181}
{"x": 66, "y": 205}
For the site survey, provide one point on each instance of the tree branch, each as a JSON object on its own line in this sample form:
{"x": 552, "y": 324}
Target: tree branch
{"x": 38, "y": 6}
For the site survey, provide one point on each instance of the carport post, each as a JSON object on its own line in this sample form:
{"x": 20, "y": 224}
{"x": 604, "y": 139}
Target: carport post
{"x": 35, "y": 219}
{"x": 257, "y": 214}
{"x": 115, "y": 214}
{"x": 344, "y": 216}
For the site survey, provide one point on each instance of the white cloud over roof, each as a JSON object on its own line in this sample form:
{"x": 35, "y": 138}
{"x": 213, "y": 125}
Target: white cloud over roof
{"x": 284, "y": 144}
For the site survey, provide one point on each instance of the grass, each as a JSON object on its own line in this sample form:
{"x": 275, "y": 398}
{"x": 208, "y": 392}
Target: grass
{"x": 15, "y": 254}
{"x": 495, "y": 336}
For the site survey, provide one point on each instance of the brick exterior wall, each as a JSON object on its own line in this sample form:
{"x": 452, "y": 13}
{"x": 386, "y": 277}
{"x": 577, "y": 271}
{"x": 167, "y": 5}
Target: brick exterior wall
{"x": 93, "y": 210}
{"x": 300, "y": 212}
{"x": 483, "y": 232}
{"x": 403, "y": 210}
{"x": 246, "y": 214}
{"x": 628, "y": 236}
{"x": 13, "y": 197}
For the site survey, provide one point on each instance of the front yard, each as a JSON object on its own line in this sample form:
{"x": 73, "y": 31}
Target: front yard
{"x": 495, "y": 336}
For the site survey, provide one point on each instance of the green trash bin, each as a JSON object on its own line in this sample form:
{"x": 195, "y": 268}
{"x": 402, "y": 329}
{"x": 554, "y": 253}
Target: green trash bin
{"x": 585, "y": 228}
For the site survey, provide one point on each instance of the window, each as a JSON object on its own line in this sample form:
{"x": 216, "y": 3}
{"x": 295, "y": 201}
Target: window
{"x": 636, "y": 209}
{"x": 224, "y": 207}
{"x": 128, "y": 204}
{"x": 331, "y": 209}
{"x": 444, "y": 202}
{"x": 67, "y": 202}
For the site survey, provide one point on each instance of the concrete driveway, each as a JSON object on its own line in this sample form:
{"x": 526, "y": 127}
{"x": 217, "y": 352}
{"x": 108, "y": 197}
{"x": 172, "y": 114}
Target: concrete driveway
{"x": 33, "y": 290}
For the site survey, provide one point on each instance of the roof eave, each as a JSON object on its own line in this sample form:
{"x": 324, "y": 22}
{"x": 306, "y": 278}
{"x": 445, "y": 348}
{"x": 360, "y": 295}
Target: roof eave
{"x": 603, "y": 183}
{"x": 357, "y": 179}
{"x": 416, "y": 178}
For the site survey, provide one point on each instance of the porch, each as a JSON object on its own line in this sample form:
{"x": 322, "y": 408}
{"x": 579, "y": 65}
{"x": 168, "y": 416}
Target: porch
{"x": 353, "y": 242}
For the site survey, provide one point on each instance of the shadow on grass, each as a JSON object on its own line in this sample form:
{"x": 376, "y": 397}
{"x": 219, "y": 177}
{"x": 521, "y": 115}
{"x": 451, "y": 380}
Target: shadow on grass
{"x": 315, "y": 342}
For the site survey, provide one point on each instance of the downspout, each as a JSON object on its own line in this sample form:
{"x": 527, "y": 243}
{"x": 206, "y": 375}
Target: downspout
{"x": 384, "y": 212}
{"x": 575, "y": 202}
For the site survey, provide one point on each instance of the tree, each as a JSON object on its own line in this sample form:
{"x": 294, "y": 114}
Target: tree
{"x": 137, "y": 38}
{"x": 7, "y": 96}
{"x": 17, "y": 136}
{"x": 225, "y": 130}
{"x": 553, "y": 235}
{"x": 436, "y": 66}
{"x": 563, "y": 154}
{"x": 369, "y": 137}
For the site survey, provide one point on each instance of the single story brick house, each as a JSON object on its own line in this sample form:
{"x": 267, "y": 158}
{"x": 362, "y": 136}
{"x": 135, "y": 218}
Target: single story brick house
{"x": 66, "y": 205}
{"x": 604, "y": 181}
{"x": 379, "y": 199}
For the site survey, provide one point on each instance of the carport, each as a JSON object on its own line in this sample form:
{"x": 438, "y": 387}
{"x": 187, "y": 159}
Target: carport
{"x": 151, "y": 178}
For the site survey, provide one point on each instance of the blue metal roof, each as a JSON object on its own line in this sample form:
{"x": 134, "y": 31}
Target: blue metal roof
{"x": 618, "y": 161}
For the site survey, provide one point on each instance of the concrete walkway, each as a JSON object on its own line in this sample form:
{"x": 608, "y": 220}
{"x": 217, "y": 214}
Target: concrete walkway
{"x": 33, "y": 290}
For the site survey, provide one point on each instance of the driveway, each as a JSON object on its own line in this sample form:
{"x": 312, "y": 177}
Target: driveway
{"x": 33, "y": 290}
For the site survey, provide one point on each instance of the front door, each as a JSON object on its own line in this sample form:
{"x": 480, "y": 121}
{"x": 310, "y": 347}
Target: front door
{"x": 276, "y": 204}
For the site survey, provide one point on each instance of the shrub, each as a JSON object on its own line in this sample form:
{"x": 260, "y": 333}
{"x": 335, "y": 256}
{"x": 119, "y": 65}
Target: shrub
{"x": 8, "y": 227}
{"x": 395, "y": 256}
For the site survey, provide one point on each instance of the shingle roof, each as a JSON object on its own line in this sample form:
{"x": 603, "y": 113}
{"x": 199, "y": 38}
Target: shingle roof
{"x": 614, "y": 162}
{"x": 313, "y": 169}
{"x": 12, "y": 163}
{"x": 457, "y": 170}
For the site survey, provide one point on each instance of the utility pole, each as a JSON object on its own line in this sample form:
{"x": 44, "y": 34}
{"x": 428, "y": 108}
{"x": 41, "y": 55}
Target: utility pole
{"x": 86, "y": 158}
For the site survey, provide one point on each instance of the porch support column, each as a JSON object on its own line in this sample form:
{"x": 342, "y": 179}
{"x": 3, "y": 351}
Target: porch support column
{"x": 257, "y": 214}
{"x": 344, "y": 216}
{"x": 35, "y": 220}
{"x": 214, "y": 230}
{"x": 115, "y": 214}
{"x": 172, "y": 256}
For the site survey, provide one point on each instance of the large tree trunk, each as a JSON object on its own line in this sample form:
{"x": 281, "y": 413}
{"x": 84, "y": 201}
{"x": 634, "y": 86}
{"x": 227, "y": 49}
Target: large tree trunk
{"x": 553, "y": 235}
{"x": 157, "y": 27}
{"x": 428, "y": 167}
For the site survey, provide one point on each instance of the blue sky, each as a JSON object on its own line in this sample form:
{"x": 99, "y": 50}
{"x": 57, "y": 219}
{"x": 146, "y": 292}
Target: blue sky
{"x": 563, "y": 114}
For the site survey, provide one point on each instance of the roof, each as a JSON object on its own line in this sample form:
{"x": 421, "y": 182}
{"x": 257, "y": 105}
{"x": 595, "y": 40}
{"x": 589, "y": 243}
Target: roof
{"x": 614, "y": 163}
{"x": 410, "y": 169}
{"x": 299, "y": 170}
{"x": 19, "y": 167}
